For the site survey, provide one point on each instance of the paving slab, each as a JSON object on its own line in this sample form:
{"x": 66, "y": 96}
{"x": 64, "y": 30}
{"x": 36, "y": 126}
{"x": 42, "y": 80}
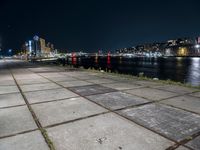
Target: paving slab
{"x": 87, "y": 77}
{"x": 6, "y": 77}
{"x": 90, "y": 73}
{"x": 13, "y": 99}
{"x": 26, "y": 76}
{"x": 5, "y": 70}
{"x": 91, "y": 90}
{"x": 105, "y": 132}
{"x": 64, "y": 78}
{"x": 173, "y": 123}
{"x": 197, "y": 94}
{"x": 194, "y": 144}
{"x": 111, "y": 76}
{"x": 121, "y": 78}
{"x": 101, "y": 80}
{"x": 148, "y": 83}
{"x": 6, "y": 82}
{"x": 24, "y": 72}
{"x": 28, "y": 141}
{"x": 15, "y": 120}
{"x": 32, "y": 81}
{"x": 182, "y": 148}
{"x": 122, "y": 86}
{"x": 49, "y": 95}
{"x": 177, "y": 89}
{"x": 186, "y": 102}
{"x": 65, "y": 110}
{"x": 116, "y": 100}
{"x": 74, "y": 83}
{"x": 8, "y": 89}
{"x": 151, "y": 94}
{"x": 74, "y": 73}
{"x": 52, "y": 74}
{"x": 36, "y": 87}
{"x": 44, "y": 69}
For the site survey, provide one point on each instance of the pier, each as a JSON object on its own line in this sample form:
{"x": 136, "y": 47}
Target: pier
{"x": 53, "y": 107}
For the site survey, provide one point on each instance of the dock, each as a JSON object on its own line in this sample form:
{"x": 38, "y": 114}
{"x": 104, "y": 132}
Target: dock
{"x": 53, "y": 107}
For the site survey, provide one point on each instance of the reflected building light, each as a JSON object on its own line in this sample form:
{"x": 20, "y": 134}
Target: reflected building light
{"x": 193, "y": 73}
{"x": 179, "y": 61}
{"x": 196, "y": 62}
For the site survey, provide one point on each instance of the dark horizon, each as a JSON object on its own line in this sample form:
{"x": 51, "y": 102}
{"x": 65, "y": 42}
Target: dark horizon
{"x": 92, "y": 25}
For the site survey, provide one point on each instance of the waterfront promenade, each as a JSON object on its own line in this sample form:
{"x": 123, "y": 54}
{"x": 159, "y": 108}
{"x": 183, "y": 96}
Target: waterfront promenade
{"x": 50, "y": 107}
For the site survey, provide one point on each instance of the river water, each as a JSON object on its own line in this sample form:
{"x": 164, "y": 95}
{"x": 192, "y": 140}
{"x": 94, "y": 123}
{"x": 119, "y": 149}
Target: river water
{"x": 185, "y": 70}
{"x": 180, "y": 69}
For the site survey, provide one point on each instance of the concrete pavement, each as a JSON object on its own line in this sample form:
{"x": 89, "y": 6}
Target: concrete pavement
{"x": 51, "y": 107}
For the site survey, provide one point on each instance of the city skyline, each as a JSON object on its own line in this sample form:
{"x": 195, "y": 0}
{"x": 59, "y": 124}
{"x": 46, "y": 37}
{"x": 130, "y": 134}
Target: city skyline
{"x": 97, "y": 25}
{"x": 173, "y": 44}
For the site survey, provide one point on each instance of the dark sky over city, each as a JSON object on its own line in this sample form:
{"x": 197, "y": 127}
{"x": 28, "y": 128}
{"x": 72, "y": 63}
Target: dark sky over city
{"x": 97, "y": 24}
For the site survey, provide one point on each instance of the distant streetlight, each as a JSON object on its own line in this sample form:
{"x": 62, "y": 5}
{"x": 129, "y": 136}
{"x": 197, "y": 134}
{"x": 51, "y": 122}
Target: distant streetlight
{"x": 197, "y": 46}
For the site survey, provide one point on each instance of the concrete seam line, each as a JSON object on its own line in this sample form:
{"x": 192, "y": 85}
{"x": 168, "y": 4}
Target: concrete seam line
{"x": 42, "y": 130}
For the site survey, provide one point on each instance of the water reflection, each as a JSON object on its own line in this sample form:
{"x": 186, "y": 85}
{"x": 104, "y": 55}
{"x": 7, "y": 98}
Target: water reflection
{"x": 181, "y": 69}
{"x": 193, "y": 75}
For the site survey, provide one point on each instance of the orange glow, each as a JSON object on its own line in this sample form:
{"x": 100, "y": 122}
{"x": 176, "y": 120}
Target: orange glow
{"x": 182, "y": 51}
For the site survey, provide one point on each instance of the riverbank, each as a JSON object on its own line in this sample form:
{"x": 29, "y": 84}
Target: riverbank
{"x": 142, "y": 77}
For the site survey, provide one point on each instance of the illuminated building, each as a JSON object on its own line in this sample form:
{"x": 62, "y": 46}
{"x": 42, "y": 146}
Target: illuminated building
{"x": 37, "y": 50}
{"x": 52, "y": 47}
{"x": 45, "y": 48}
{"x": 198, "y": 40}
{"x": 37, "y": 47}
{"x": 172, "y": 42}
{"x": 31, "y": 47}
{"x": 168, "y": 52}
{"x": 182, "y": 51}
{"x": 42, "y": 45}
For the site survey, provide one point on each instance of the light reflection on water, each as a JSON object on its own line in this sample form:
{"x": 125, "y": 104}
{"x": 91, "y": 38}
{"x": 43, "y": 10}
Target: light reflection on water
{"x": 193, "y": 75}
{"x": 181, "y": 69}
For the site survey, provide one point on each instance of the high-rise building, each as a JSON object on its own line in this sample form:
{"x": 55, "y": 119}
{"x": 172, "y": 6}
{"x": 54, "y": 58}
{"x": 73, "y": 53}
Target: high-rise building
{"x": 172, "y": 42}
{"x": 48, "y": 44}
{"x": 45, "y": 48}
{"x": 42, "y": 45}
{"x": 52, "y": 47}
{"x": 24, "y": 48}
{"x": 198, "y": 40}
{"x": 31, "y": 49}
{"x": 38, "y": 47}
{"x": 37, "y": 50}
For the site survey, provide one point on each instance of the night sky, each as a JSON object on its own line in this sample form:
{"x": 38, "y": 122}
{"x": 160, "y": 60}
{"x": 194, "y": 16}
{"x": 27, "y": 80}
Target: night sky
{"x": 90, "y": 25}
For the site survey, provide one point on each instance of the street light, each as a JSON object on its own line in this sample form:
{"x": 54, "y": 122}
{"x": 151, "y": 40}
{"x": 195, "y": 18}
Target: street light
{"x": 197, "y": 46}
